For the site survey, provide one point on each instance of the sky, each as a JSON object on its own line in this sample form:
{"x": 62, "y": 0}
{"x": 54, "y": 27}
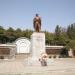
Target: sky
{"x": 20, "y": 13}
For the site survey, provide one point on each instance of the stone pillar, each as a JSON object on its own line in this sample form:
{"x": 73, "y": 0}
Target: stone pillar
{"x": 37, "y": 44}
{"x": 37, "y": 47}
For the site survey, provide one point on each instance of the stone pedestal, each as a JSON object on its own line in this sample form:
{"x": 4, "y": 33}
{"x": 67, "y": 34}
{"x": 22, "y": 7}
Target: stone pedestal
{"x": 37, "y": 47}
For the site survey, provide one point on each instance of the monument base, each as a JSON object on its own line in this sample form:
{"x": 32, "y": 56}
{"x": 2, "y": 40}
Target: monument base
{"x": 37, "y": 48}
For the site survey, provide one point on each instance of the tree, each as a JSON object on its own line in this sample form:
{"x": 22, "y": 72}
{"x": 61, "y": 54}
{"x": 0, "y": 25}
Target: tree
{"x": 71, "y": 44}
{"x": 71, "y": 31}
{"x": 2, "y": 36}
{"x": 61, "y": 37}
{"x": 57, "y": 37}
{"x": 10, "y": 34}
{"x": 57, "y": 32}
{"x": 18, "y": 33}
{"x": 49, "y": 38}
{"x": 1, "y": 30}
{"x": 27, "y": 33}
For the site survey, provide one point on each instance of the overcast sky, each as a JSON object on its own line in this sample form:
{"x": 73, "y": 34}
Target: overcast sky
{"x": 20, "y": 13}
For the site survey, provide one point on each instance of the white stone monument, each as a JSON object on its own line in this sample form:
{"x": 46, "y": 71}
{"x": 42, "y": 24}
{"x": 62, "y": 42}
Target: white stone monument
{"x": 37, "y": 47}
{"x": 23, "y": 45}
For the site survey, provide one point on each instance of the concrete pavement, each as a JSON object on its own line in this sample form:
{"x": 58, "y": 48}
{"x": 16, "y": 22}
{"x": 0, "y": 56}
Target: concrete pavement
{"x": 61, "y": 66}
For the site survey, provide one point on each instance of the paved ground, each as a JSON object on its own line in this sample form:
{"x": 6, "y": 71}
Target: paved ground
{"x": 59, "y": 66}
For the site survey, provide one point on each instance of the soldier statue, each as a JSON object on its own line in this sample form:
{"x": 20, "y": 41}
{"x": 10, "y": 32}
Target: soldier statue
{"x": 37, "y": 23}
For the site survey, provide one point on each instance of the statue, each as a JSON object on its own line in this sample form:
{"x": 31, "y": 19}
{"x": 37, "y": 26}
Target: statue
{"x": 37, "y": 23}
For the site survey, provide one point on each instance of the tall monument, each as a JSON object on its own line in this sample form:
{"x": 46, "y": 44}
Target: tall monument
{"x": 37, "y": 41}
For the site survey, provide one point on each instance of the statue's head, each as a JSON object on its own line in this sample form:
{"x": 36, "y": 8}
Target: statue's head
{"x": 37, "y": 15}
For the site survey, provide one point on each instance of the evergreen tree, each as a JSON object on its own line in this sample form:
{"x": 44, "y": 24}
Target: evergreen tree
{"x": 71, "y": 31}
{"x": 10, "y": 34}
{"x": 18, "y": 33}
{"x": 49, "y": 38}
{"x": 57, "y": 32}
{"x": 2, "y": 34}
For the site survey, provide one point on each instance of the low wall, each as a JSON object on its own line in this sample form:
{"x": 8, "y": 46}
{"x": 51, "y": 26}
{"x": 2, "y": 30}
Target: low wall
{"x": 7, "y": 51}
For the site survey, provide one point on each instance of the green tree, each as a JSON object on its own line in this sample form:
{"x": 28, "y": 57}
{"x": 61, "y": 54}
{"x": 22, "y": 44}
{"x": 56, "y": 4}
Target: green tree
{"x": 71, "y": 44}
{"x": 57, "y": 37}
{"x": 57, "y": 32}
{"x": 10, "y": 34}
{"x": 49, "y": 38}
{"x": 2, "y": 36}
{"x": 18, "y": 33}
{"x": 27, "y": 33}
{"x": 61, "y": 37}
{"x": 71, "y": 31}
{"x": 1, "y": 30}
